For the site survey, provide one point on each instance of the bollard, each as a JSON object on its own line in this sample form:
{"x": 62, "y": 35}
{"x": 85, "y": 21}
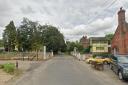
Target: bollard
{"x": 16, "y": 64}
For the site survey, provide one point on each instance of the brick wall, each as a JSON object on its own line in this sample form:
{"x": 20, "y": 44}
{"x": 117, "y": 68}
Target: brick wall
{"x": 120, "y": 39}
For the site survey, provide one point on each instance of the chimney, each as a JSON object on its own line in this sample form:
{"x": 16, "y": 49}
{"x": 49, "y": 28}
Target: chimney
{"x": 121, "y": 16}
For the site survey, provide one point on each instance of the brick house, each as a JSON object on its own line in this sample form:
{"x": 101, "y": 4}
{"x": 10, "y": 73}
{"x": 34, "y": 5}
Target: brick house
{"x": 120, "y": 40}
{"x": 84, "y": 41}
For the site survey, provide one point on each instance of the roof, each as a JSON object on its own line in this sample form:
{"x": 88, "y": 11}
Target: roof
{"x": 97, "y": 38}
{"x": 83, "y": 38}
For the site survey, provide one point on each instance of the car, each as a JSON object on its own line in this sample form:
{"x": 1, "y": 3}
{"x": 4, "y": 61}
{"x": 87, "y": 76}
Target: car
{"x": 107, "y": 60}
{"x": 89, "y": 60}
{"x": 119, "y": 65}
{"x": 99, "y": 59}
{"x": 103, "y": 60}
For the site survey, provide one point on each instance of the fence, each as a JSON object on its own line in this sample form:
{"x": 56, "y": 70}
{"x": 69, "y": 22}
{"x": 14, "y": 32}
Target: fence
{"x": 25, "y": 55}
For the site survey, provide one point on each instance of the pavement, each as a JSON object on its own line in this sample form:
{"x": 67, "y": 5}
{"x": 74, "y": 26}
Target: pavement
{"x": 66, "y": 70}
{"x": 4, "y": 77}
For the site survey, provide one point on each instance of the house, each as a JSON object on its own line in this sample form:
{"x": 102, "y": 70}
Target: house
{"x": 119, "y": 43}
{"x": 84, "y": 41}
{"x": 98, "y": 45}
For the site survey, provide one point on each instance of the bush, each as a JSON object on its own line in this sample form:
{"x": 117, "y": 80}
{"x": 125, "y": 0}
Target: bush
{"x": 9, "y": 67}
{"x": 104, "y": 55}
{"x": 1, "y": 66}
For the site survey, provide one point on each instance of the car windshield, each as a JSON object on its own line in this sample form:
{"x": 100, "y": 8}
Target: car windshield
{"x": 123, "y": 59}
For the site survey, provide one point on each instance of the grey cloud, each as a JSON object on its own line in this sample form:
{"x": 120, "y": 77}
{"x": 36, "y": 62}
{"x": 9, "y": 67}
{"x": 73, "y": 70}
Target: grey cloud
{"x": 1, "y": 31}
{"x": 27, "y": 10}
{"x": 74, "y": 17}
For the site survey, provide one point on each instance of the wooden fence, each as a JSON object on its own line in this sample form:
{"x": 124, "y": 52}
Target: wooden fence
{"x": 24, "y": 56}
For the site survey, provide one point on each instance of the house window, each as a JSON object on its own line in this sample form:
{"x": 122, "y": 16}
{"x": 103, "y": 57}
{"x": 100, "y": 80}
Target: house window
{"x": 99, "y": 48}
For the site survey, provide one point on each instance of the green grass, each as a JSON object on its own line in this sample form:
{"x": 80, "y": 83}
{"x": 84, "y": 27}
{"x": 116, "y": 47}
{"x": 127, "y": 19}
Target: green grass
{"x": 9, "y": 68}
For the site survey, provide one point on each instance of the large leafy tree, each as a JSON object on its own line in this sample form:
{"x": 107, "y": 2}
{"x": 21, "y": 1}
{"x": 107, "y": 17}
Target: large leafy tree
{"x": 52, "y": 38}
{"x": 28, "y": 36}
{"x": 9, "y": 37}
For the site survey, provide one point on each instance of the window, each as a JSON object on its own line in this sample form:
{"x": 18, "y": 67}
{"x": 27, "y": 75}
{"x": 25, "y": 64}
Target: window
{"x": 99, "y": 48}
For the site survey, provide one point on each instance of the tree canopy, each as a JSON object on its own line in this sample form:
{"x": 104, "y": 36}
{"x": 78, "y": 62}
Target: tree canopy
{"x": 72, "y": 45}
{"x": 31, "y": 36}
{"x": 28, "y": 35}
{"x": 109, "y": 37}
{"x": 9, "y": 37}
{"x": 53, "y": 39}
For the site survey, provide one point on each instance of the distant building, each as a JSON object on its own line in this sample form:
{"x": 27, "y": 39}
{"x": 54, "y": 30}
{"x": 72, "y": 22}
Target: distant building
{"x": 120, "y": 40}
{"x": 84, "y": 41}
{"x": 98, "y": 45}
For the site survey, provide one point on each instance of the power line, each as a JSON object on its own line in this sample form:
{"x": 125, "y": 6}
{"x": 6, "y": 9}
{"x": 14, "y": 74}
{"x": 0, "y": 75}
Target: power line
{"x": 109, "y": 5}
{"x": 123, "y": 4}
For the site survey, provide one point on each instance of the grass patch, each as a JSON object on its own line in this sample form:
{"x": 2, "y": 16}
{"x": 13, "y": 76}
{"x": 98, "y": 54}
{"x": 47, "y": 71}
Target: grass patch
{"x": 9, "y": 68}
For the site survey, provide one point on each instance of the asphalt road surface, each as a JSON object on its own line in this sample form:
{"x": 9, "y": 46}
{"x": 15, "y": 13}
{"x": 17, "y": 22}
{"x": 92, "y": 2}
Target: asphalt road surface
{"x": 65, "y": 70}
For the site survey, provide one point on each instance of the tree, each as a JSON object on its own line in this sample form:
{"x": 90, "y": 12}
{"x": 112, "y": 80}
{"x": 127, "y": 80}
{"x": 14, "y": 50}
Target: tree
{"x": 72, "y": 45}
{"x": 79, "y": 46}
{"x": 31, "y": 36}
{"x": 109, "y": 37}
{"x": 53, "y": 39}
{"x": 1, "y": 43}
{"x": 9, "y": 37}
{"x": 28, "y": 36}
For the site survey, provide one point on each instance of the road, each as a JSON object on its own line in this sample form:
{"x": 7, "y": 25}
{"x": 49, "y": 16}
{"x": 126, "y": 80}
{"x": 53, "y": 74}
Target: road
{"x": 65, "y": 70}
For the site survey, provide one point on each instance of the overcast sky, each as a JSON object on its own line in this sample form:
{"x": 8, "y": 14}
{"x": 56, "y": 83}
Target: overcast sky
{"x": 74, "y": 18}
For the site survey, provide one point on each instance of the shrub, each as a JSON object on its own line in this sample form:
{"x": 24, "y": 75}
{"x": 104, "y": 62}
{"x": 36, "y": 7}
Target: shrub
{"x": 9, "y": 67}
{"x": 104, "y": 55}
{"x": 1, "y": 66}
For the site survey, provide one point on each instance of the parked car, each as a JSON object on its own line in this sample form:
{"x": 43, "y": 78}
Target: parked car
{"x": 99, "y": 59}
{"x": 107, "y": 60}
{"x": 89, "y": 60}
{"x": 119, "y": 65}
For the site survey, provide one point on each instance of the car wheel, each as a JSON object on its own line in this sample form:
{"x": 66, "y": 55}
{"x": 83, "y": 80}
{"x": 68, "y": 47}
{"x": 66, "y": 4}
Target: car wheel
{"x": 120, "y": 75}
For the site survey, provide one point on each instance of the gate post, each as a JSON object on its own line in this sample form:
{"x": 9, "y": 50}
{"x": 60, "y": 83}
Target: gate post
{"x": 44, "y": 52}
